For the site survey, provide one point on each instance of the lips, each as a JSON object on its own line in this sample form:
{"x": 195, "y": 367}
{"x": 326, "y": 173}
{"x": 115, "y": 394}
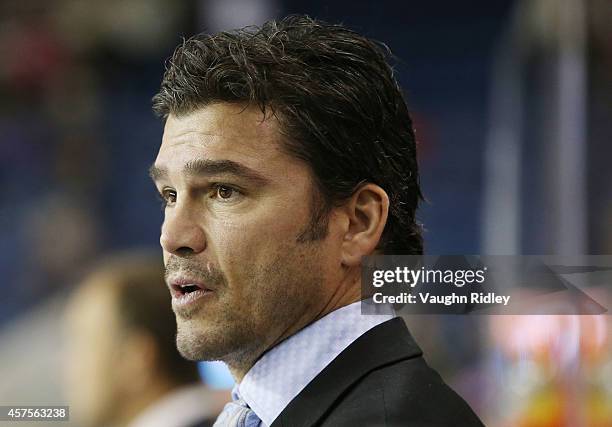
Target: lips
{"x": 188, "y": 294}
{"x": 179, "y": 289}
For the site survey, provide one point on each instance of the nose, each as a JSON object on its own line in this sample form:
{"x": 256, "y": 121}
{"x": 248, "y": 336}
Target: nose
{"x": 181, "y": 232}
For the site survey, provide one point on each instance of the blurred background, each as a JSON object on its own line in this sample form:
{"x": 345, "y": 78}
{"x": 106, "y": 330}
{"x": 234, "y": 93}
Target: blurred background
{"x": 512, "y": 102}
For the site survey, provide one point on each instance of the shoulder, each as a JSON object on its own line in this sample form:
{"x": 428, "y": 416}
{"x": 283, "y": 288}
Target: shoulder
{"x": 407, "y": 392}
{"x": 381, "y": 379}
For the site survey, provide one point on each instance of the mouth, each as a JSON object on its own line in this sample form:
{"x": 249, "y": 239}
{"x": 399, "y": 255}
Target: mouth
{"x": 186, "y": 288}
{"x": 186, "y": 291}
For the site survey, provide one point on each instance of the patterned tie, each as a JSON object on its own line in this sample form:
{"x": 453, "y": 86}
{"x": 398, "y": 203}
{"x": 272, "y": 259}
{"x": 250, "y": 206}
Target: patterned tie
{"x": 237, "y": 414}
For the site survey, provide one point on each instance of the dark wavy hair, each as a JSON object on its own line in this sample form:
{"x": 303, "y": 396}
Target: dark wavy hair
{"x": 339, "y": 107}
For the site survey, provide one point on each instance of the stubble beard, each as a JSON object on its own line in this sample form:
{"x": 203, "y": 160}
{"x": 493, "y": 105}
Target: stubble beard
{"x": 281, "y": 293}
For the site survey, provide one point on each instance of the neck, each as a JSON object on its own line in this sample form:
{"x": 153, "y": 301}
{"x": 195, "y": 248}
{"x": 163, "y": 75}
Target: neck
{"x": 346, "y": 292}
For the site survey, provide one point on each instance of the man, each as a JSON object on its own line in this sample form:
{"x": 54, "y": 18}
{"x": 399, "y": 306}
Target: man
{"x": 122, "y": 367}
{"x": 288, "y": 154}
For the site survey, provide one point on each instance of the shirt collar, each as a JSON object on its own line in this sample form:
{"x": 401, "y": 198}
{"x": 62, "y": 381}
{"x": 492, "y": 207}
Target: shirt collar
{"x": 282, "y": 372}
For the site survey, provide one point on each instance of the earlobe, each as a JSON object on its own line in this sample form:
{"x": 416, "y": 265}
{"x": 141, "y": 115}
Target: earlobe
{"x": 367, "y": 211}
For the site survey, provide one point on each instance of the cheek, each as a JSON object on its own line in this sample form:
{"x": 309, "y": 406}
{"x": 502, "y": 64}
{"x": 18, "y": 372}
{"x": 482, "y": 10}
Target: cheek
{"x": 244, "y": 248}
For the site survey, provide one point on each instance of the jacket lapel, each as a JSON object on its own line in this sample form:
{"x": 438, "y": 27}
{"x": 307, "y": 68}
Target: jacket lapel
{"x": 386, "y": 343}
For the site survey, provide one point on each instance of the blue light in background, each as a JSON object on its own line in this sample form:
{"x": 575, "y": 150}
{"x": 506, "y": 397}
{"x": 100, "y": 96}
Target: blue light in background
{"x": 216, "y": 375}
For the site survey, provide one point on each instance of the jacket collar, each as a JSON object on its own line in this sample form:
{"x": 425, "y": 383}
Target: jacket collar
{"x": 286, "y": 369}
{"x": 384, "y": 344}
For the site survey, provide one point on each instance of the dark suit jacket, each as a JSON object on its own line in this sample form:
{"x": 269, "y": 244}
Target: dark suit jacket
{"x": 381, "y": 379}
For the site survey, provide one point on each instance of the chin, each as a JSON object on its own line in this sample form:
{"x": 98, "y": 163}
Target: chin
{"x": 229, "y": 342}
{"x": 191, "y": 340}
{"x": 190, "y": 353}
{"x": 199, "y": 342}
{"x": 194, "y": 351}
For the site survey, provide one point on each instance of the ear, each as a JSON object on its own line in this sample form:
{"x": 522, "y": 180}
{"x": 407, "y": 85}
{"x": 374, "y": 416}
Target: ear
{"x": 367, "y": 211}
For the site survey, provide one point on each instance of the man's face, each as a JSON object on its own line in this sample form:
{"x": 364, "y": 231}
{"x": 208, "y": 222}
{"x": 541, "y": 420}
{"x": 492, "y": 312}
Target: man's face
{"x": 237, "y": 207}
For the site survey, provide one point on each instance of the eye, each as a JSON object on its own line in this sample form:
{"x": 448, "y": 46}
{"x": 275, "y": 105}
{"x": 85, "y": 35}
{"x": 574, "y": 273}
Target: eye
{"x": 224, "y": 192}
{"x": 168, "y": 196}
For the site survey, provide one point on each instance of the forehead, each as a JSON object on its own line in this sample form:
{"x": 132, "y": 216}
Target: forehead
{"x": 220, "y": 131}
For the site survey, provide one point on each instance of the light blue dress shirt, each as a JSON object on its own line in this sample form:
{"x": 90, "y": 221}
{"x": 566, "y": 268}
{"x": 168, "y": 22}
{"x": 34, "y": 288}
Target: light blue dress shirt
{"x": 282, "y": 372}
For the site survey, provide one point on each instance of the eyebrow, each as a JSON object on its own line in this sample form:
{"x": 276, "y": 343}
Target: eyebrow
{"x": 206, "y": 167}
